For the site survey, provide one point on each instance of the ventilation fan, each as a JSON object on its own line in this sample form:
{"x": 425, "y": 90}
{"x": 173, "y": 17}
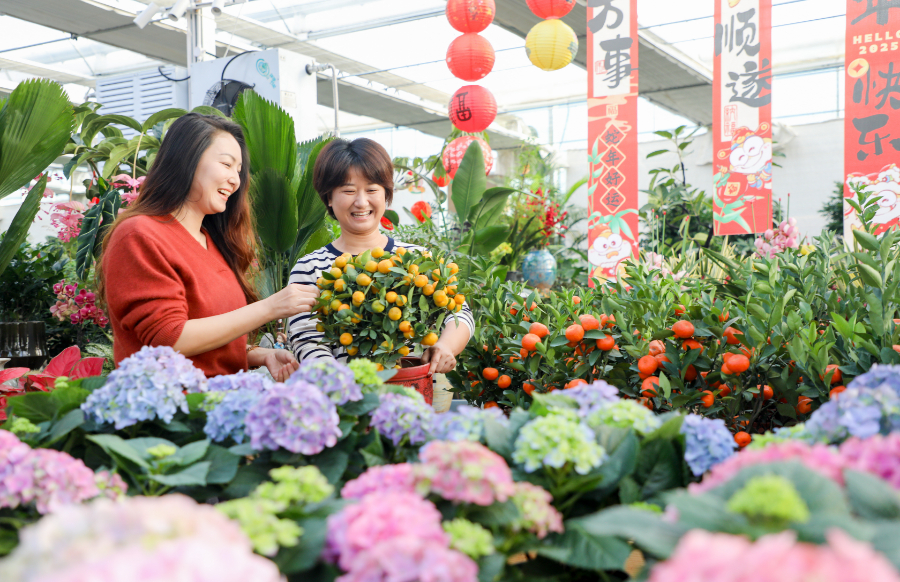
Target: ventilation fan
{"x": 223, "y": 95}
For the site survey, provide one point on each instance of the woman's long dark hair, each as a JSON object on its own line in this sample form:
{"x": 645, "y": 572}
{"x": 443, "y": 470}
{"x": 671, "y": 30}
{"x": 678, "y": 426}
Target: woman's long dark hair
{"x": 168, "y": 184}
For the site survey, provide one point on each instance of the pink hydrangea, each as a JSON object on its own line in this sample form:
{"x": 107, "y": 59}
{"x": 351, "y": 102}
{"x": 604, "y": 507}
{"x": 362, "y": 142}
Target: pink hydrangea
{"x": 381, "y": 479}
{"x": 536, "y": 512}
{"x": 879, "y": 455}
{"x": 379, "y": 517}
{"x": 702, "y": 556}
{"x": 818, "y": 457}
{"x": 151, "y": 539}
{"x": 409, "y": 557}
{"x": 49, "y": 479}
{"x": 465, "y": 471}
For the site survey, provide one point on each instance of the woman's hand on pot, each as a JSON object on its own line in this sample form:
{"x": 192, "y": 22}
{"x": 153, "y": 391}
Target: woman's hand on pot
{"x": 440, "y": 357}
{"x": 293, "y": 299}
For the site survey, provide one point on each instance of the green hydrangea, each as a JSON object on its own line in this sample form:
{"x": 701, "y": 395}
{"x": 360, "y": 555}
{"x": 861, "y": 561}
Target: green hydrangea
{"x": 625, "y": 414}
{"x": 22, "y": 426}
{"x": 796, "y": 432}
{"x": 770, "y": 498}
{"x": 161, "y": 451}
{"x": 644, "y": 506}
{"x": 365, "y": 372}
{"x": 61, "y": 382}
{"x": 557, "y": 440}
{"x": 258, "y": 520}
{"x": 211, "y": 399}
{"x": 469, "y": 538}
{"x": 295, "y": 485}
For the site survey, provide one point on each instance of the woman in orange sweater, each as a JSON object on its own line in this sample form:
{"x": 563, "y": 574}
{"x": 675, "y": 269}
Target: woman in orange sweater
{"x": 174, "y": 265}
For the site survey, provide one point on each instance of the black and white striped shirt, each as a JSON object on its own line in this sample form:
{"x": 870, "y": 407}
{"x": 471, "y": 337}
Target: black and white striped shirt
{"x": 306, "y": 342}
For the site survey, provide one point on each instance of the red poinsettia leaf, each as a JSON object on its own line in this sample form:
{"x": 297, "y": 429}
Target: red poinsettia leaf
{"x": 38, "y": 381}
{"x": 87, "y": 367}
{"x": 62, "y": 364}
{"x": 12, "y": 373}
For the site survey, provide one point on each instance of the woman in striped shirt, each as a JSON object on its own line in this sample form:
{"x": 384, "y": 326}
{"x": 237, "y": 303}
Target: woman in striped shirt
{"x": 355, "y": 180}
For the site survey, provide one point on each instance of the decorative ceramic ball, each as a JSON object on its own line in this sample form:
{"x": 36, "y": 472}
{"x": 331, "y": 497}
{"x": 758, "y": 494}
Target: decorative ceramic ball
{"x": 456, "y": 149}
{"x": 551, "y": 8}
{"x": 472, "y": 108}
{"x": 470, "y": 15}
{"x": 551, "y": 44}
{"x": 470, "y": 57}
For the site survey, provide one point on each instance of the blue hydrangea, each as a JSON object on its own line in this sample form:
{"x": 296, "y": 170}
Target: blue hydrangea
{"x": 399, "y": 416}
{"x": 332, "y": 377}
{"x": 879, "y": 376}
{"x": 226, "y": 412}
{"x": 708, "y": 442}
{"x": 465, "y": 424}
{"x": 298, "y": 417}
{"x": 240, "y": 381}
{"x": 147, "y": 385}
{"x": 586, "y": 400}
{"x": 860, "y": 412}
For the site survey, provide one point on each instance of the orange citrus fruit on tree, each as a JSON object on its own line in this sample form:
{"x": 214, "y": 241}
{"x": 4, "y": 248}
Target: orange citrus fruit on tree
{"x": 683, "y": 329}
{"x": 738, "y": 363}
{"x": 420, "y": 281}
{"x": 576, "y": 299}
{"x": 574, "y": 383}
{"x": 804, "y": 404}
{"x": 346, "y": 339}
{"x": 405, "y": 326}
{"x": 650, "y": 387}
{"x": 692, "y": 344}
{"x": 430, "y": 339}
{"x": 708, "y": 399}
{"x": 530, "y": 341}
{"x": 491, "y": 404}
{"x": 403, "y": 351}
{"x": 647, "y": 365}
{"x": 730, "y": 335}
{"x": 657, "y": 347}
{"x": 835, "y": 377}
{"x": 766, "y": 392}
{"x": 836, "y": 390}
{"x": 742, "y": 439}
{"x": 363, "y": 280}
{"x": 503, "y": 381}
{"x": 391, "y": 296}
{"x": 539, "y": 329}
{"x": 384, "y": 267}
{"x": 606, "y": 343}
{"x": 428, "y": 289}
{"x": 575, "y": 333}
{"x": 490, "y": 374}
{"x": 691, "y": 373}
{"x": 589, "y": 322}
{"x": 528, "y": 388}
{"x": 679, "y": 311}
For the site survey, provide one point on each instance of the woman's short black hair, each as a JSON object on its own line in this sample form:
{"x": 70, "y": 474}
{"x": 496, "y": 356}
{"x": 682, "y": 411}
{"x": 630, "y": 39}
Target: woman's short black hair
{"x": 339, "y": 156}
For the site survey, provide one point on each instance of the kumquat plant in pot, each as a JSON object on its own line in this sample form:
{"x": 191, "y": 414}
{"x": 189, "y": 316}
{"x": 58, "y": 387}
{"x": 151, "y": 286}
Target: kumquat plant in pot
{"x": 382, "y": 306}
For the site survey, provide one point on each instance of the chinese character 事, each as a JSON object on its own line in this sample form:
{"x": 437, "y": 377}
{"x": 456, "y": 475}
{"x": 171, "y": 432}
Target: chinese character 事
{"x": 463, "y": 113}
{"x": 871, "y": 124}
{"x": 882, "y": 8}
{"x": 597, "y": 23}
{"x": 752, "y": 84}
{"x": 731, "y": 36}
{"x": 618, "y": 60}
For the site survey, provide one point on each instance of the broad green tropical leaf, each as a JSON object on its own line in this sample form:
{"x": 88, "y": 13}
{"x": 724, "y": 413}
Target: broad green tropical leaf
{"x": 274, "y": 208}
{"x": 470, "y": 182}
{"x": 493, "y": 201}
{"x": 93, "y": 226}
{"x": 269, "y": 133}
{"x": 35, "y": 124}
{"x": 207, "y": 110}
{"x": 163, "y": 115}
{"x": 93, "y": 128}
{"x": 309, "y": 205}
{"x": 487, "y": 239}
{"x": 18, "y": 228}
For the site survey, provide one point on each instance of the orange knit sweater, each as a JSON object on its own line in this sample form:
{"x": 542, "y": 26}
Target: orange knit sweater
{"x": 157, "y": 277}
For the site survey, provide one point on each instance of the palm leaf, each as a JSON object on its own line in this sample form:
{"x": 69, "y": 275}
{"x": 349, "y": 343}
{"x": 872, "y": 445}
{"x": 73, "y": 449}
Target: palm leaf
{"x": 274, "y": 209}
{"x": 310, "y": 209}
{"x": 269, "y": 133}
{"x": 93, "y": 128}
{"x": 35, "y": 125}
{"x": 18, "y": 228}
{"x": 469, "y": 183}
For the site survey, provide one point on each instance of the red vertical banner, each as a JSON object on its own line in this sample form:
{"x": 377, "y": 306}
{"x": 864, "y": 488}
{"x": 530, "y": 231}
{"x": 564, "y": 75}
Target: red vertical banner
{"x": 742, "y": 117}
{"x": 872, "y": 111}
{"x": 612, "y": 56}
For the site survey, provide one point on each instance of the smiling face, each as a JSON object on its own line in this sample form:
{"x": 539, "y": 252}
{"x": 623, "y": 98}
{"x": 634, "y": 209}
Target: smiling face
{"x": 217, "y": 176}
{"x": 751, "y": 156}
{"x": 358, "y": 204}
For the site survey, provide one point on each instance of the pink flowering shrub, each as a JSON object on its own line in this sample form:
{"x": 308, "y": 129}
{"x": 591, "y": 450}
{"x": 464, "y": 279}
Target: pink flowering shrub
{"x": 131, "y": 186}
{"x": 657, "y": 262}
{"x": 536, "y": 512}
{"x": 465, "y": 471}
{"x": 151, "y": 539}
{"x": 66, "y": 218}
{"x": 820, "y": 458}
{"x": 772, "y": 242}
{"x": 702, "y": 555}
{"x": 79, "y": 307}
{"x": 49, "y": 479}
{"x": 879, "y": 455}
{"x": 381, "y": 479}
{"x": 378, "y": 517}
{"x": 411, "y": 558}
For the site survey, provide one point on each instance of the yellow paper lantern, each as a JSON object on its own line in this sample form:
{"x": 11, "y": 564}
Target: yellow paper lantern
{"x": 551, "y": 44}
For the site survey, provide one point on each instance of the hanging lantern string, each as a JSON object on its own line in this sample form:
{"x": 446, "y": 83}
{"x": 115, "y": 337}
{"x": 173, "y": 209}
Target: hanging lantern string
{"x": 514, "y": 48}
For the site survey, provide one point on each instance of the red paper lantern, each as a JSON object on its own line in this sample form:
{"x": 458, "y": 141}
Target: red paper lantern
{"x": 456, "y": 149}
{"x": 470, "y": 15}
{"x": 550, "y": 8}
{"x": 470, "y": 57}
{"x": 472, "y": 108}
{"x": 441, "y": 181}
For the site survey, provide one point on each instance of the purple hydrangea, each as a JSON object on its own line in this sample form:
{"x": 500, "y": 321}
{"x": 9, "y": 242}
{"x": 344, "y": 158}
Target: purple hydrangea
{"x": 879, "y": 376}
{"x": 147, "y": 385}
{"x": 870, "y": 405}
{"x": 400, "y": 416}
{"x": 465, "y": 424}
{"x": 226, "y": 411}
{"x": 298, "y": 417}
{"x": 708, "y": 442}
{"x": 240, "y": 381}
{"x": 332, "y": 377}
{"x": 586, "y": 399}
